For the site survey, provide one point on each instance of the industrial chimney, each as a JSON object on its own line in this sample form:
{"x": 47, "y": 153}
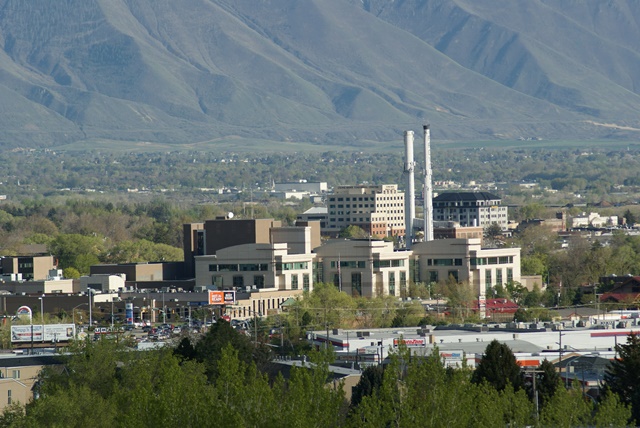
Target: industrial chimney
{"x": 409, "y": 197}
{"x": 428, "y": 189}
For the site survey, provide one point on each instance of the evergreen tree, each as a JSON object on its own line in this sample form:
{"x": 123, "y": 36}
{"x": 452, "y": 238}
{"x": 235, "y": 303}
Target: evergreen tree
{"x": 498, "y": 367}
{"x": 547, "y": 382}
{"x": 623, "y": 374}
{"x": 370, "y": 381}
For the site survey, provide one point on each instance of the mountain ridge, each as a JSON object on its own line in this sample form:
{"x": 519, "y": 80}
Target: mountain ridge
{"x": 325, "y": 72}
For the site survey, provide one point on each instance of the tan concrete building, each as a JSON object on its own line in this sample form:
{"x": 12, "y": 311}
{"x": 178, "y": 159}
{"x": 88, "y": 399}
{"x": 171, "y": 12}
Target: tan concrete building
{"x": 263, "y": 266}
{"x": 103, "y": 282}
{"x": 27, "y": 267}
{"x": 367, "y": 268}
{"x": 379, "y": 210}
{"x": 262, "y": 303}
{"x": 18, "y": 374}
{"x": 466, "y": 260}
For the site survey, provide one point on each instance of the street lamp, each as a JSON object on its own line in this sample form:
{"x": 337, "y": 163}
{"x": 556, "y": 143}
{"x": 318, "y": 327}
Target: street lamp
{"x": 42, "y": 314}
{"x": 164, "y": 310}
{"x": 74, "y": 312}
{"x": 90, "y": 292}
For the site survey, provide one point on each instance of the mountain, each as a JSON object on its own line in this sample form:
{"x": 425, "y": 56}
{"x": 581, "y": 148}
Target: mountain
{"x": 348, "y": 73}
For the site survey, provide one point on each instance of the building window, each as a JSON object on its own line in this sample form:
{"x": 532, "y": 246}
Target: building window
{"x": 258, "y": 281}
{"x": 403, "y": 281}
{"x": 433, "y": 276}
{"x": 509, "y": 275}
{"x": 16, "y": 374}
{"x": 294, "y": 282}
{"x": 9, "y": 397}
{"x": 238, "y": 281}
{"x": 487, "y": 278}
{"x": 217, "y": 281}
{"x": 336, "y": 280}
{"x": 305, "y": 281}
{"x": 356, "y": 284}
{"x": 392, "y": 283}
{"x": 499, "y": 276}
{"x": 453, "y": 274}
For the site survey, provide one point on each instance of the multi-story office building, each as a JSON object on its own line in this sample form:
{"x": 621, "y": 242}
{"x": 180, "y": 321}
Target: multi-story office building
{"x": 363, "y": 267}
{"x": 259, "y": 266}
{"x": 465, "y": 260}
{"x": 379, "y": 210}
{"x": 470, "y": 209}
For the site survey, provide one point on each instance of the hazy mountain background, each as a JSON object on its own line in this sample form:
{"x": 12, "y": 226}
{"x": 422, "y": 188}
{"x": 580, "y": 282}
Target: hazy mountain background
{"x": 289, "y": 73}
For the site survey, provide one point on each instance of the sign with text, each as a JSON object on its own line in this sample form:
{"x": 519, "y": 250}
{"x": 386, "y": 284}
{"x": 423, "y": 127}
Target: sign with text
{"x": 227, "y": 297}
{"x": 52, "y": 333}
{"x": 410, "y": 342}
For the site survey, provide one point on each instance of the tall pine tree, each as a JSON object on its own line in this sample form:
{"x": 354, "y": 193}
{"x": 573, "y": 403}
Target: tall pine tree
{"x": 498, "y": 367}
{"x": 623, "y": 374}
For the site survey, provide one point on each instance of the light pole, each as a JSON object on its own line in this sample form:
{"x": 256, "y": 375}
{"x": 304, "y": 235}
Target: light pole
{"x": 90, "y": 292}
{"x": 42, "y": 314}
{"x": 164, "y": 310}
{"x": 73, "y": 311}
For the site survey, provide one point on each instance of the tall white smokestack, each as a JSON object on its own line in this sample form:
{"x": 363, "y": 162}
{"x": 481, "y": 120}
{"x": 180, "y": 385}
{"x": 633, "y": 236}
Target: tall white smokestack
{"x": 428, "y": 190}
{"x": 409, "y": 197}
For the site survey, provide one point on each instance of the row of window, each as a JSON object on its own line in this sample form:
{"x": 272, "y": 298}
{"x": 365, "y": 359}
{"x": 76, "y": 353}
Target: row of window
{"x": 242, "y": 267}
{"x": 444, "y": 262}
{"x": 340, "y": 199}
{"x": 488, "y": 277}
{"x": 434, "y": 276}
{"x": 258, "y": 281}
{"x": 360, "y": 264}
{"x": 292, "y": 266}
{"x": 467, "y": 204}
{"x": 481, "y": 261}
{"x": 356, "y": 282}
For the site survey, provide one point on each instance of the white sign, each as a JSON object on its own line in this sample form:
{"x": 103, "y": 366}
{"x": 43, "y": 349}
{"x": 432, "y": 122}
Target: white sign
{"x": 23, "y": 333}
{"x": 52, "y": 332}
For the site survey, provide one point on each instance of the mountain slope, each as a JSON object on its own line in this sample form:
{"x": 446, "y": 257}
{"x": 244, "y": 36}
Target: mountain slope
{"x": 344, "y": 72}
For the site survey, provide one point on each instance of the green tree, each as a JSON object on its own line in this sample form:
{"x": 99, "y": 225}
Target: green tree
{"x": 622, "y": 376}
{"x": 209, "y": 348}
{"x": 78, "y": 251}
{"x": 353, "y": 232}
{"x": 71, "y": 273}
{"x": 547, "y": 382}
{"x": 611, "y": 412}
{"x": 498, "y": 367}
{"x": 567, "y": 409}
{"x": 370, "y": 382}
{"x": 630, "y": 217}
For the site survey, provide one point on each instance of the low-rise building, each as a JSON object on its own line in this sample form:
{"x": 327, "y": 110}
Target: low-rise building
{"x": 28, "y": 267}
{"x": 18, "y": 375}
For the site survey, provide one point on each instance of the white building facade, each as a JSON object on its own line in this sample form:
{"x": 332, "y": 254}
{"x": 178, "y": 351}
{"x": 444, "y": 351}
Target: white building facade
{"x": 379, "y": 210}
